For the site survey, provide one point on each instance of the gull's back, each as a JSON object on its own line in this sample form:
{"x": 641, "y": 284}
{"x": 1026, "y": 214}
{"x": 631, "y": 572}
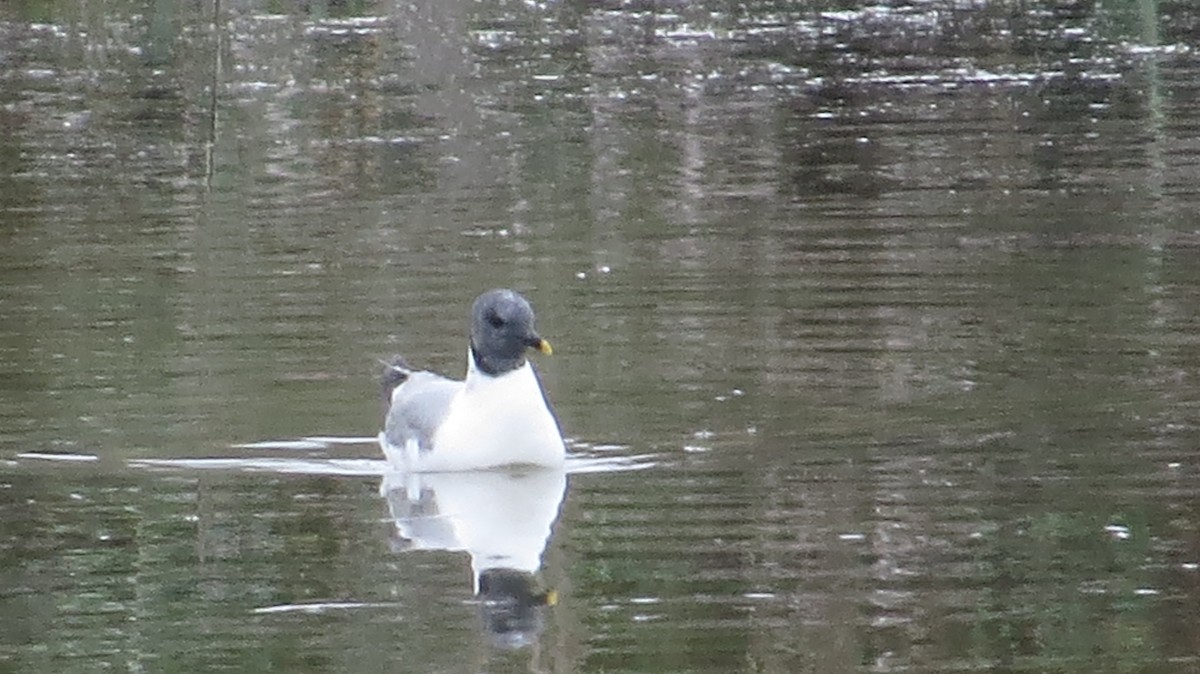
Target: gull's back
{"x": 418, "y": 406}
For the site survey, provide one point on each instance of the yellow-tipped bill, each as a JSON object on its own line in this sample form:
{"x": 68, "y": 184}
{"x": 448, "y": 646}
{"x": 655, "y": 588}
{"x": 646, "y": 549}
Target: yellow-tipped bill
{"x": 544, "y": 347}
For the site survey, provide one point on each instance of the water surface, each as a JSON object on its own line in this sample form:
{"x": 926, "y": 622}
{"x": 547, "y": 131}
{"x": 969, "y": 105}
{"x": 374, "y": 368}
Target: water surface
{"x": 875, "y": 332}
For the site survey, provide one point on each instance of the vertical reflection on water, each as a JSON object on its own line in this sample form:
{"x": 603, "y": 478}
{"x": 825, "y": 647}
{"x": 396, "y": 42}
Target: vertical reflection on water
{"x": 218, "y": 49}
{"x": 502, "y": 520}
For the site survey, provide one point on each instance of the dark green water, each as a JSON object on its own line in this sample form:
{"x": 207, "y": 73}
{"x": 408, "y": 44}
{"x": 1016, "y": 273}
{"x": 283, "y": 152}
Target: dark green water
{"x": 875, "y": 333}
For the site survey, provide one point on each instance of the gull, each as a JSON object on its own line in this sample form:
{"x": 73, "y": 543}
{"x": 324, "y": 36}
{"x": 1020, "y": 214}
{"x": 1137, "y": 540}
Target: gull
{"x": 497, "y": 416}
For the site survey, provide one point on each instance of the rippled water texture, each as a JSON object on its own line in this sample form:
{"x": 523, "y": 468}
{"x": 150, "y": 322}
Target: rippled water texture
{"x": 875, "y": 331}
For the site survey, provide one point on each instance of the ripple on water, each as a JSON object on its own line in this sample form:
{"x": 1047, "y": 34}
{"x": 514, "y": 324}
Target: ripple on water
{"x": 585, "y": 458}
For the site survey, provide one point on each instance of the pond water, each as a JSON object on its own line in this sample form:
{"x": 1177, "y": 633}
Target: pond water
{"x": 875, "y": 328}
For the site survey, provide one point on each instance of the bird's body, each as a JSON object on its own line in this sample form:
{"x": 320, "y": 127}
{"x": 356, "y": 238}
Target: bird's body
{"x": 497, "y": 416}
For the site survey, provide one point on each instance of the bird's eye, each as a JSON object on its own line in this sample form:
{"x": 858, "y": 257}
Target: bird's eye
{"x": 494, "y": 319}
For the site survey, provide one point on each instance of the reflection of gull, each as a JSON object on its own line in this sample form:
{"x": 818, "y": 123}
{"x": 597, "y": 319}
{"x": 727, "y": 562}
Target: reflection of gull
{"x": 502, "y": 519}
{"x": 497, "y": 416}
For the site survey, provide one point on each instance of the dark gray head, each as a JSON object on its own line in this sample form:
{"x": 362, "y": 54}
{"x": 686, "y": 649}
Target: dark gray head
{"x": 502, "y": 331}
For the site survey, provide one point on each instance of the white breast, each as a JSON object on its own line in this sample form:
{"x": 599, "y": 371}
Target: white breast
{"x": 496, "y": 421}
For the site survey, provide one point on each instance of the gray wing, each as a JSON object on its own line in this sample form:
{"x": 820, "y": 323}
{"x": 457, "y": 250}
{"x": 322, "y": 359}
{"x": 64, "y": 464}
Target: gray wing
{"x": 418, "y": 406}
